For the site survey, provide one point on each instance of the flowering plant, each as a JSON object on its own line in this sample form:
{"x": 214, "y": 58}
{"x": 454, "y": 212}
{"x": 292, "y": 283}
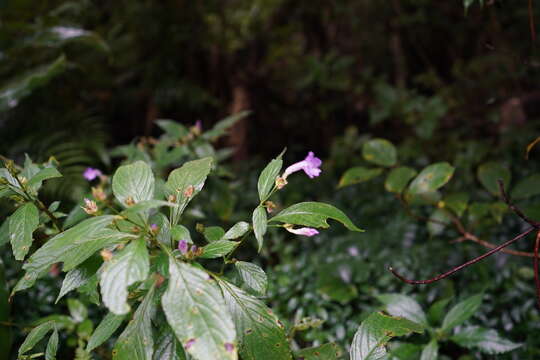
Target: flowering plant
{"x": 128, "y": 249}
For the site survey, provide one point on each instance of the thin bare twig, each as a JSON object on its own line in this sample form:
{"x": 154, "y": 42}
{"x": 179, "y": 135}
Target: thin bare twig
{"x": 462, "y": 266}
{"x": 535, "y": 261}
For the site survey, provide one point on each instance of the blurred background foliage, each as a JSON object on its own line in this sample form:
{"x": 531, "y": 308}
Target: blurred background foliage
{"x": 452, "y": 81}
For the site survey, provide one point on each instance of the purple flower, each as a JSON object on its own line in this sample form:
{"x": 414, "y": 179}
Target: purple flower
{"x": 198, "y": 125}
{"x": 91, "y": 173}
{"x": 306, "y": 231}
{"x": 183, "y": 246}
{"x": 310, "y": 165}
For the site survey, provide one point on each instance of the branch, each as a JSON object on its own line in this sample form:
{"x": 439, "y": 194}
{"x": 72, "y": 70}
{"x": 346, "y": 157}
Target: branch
{"x": 514, "y": 208}
{"x": 462, "y": 266}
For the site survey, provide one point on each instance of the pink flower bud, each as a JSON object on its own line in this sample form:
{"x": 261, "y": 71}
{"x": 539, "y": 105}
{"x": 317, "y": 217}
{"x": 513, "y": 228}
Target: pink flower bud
{"x": 306, "y": 231}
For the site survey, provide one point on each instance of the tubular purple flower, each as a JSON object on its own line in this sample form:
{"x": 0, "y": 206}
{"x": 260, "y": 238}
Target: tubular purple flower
{"x": 310, "y": 165}
{"x": 306, "y": 231}
{"x": 91, "y": 173}
{"x": 183, "y": 246}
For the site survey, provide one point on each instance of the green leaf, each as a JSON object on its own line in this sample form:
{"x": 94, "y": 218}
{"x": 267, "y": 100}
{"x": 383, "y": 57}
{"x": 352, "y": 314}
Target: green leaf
{"x": 106, "y": 328}
{"x": 431, "y": 351}
{"x": 239, "y": 229}
{"x": 146, "y": 205}
{"x": 218, "y": 249}
{"x": 268, "y": 176}
{"x": 380, "y": 152}
{"x": 487, "y": 341}
{"x": 438, "y": 220}
{"x": 457, "y": 202}
{"x": 172, "y": 128}
{"x": 17, "y": 89}
{"x": 52, "y": 346}
{"x": 489, "y": 173}
{"x": 253, "y": 276}
{"x": 35, "y": 336}
{"x": 330, "y": 351}
{"x": 213, "y": 233}
{"x": 186, "y": 182}
{"x": 431, "y": 178}
{"x": 403, "y": 306}
{"x": 77, "y": 310}
{"x": 530, "y": 186}
{"x": 130, "y": 265}
{"x": 375, "y": 331}
{"x": 313, "y": 214}
{"x": 4, "y": 232}
{"x": 221, "y": 126}
{"x": 22, "y": 224}
{"x": 398, "y": 178}
{"x": 261, "y": 335}
{"x": 437, "y": 310}
{"x": 43, "y": 174}
{"x": 180, "y": 232}
{"x": 167, "y": 346}
{"x": 136, "y": 341}
{"x": 260, "y": 224}
{"x": 79, "y": 276}
{"x": 72, "y": 247}
{"x": 211, "y": 333}
{"x": 461, "y": 312}
{"x": 357, "y": 175}
{"x": 134, "y": 182}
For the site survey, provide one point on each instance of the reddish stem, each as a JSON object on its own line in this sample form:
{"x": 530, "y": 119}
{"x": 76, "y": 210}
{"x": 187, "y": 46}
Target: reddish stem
{"x": 470, "y": 262}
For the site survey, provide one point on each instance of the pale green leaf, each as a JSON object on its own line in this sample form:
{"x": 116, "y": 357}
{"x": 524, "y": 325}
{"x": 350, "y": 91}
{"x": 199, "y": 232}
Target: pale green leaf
{"x": 218, "y": 249}
{"x": 133, "y": 183}
{"x": 77, "y": 310}
{"x": 403, "y": 306}
{"x": 136, "y": 341}
{"x": 239, "y": 229}
{"x": 253, "y": 276}
{"x": 461, "y": 312}
{"x": 261, "y": 335}
{"x": 22, "y": 224}
{"x": 196, "y": 311}
{"x": 186, "y": 182}
{"x": 431, "y": 178}
{"x": 213, "y": 233}
{"x": 268, "y": 176}
{"x": 79, "y": 276}
{"x": 487, "y": 341}
{"x": 430, "y": 351}
{"x": 106, "y": 328}
{"x": 260, "y": 223}
{"x": 52, "y": 346}
{"x": 146, "y": 205}
{"x": 167, "y": 346}
{"x": 313, "y": 214}
{"x": 375, "y": 331}
{"x": 72, "y": 247}
{"x": 35, "y": 336}
{"x": 380, "y": 152}
{"x": 128, "y": 266}
{"x": 357, "y": 175}
{"x": 398, "y": 178}
{"x": 43, "y": 174}
{"x": 172, "y": 128}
